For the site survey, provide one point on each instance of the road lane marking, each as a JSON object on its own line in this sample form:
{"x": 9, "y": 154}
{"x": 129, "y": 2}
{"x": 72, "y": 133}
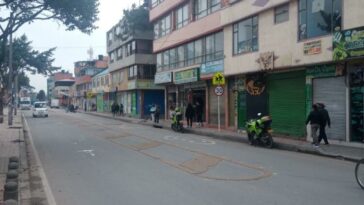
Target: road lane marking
{"x": 88, "y": 151}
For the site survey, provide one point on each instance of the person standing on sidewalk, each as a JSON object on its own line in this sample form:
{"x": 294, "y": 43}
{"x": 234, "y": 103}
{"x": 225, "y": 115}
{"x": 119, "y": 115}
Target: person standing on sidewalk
{"x": 325, "y": 121}
{"x": 157, "y": 114}
{"x": 189, "y": 114}
{"x": 113, "y": 108}
{"x": 121, "y": 109}
{"x": 198, "y": 110}
{"x": 315, "y": 120}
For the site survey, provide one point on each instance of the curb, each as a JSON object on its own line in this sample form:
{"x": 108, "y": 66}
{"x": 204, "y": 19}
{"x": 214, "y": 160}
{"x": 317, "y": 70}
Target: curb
{"x": 242, "y": 139}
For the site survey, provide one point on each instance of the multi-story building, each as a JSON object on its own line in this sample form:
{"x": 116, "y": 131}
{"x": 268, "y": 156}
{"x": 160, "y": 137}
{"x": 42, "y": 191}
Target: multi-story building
{"x": 84, "y": 70}
{"x": 278, "y": 57}
{"x": 61, "y": 91}
{"x": 58, "y": 76}
{"x": 101, "y": 88}
{"x": 132, "y": 67}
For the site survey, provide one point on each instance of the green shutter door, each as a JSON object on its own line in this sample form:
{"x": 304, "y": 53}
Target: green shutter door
{"x": 287, "y": 102}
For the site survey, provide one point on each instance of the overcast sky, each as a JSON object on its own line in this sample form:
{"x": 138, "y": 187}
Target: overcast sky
{"x": 72, "y": 46}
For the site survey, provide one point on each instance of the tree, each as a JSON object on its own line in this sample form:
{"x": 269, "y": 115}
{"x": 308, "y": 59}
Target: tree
{"x": 24, "y": 59}
{"x": 41, "y": 96}
{"x": 136, "y": 18}
{"x": 74, "y": 14}
{"x": 80, "y": 14}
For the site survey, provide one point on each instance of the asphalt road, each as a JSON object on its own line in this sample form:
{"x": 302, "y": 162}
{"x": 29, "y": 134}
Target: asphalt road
{"x": 91, "y": 160}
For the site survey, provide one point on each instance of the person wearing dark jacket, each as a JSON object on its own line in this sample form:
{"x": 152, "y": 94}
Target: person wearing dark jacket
{"x": 315, "y": 120}
{"x": 198, "y": 110}
{"x": 189, "y": 115}
{"x": 325, "y": 121}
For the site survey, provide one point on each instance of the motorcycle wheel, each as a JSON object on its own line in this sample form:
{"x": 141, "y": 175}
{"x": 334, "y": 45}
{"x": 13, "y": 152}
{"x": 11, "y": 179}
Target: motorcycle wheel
{"x": 251, "y": 138}
{"x": 267, "y": 140}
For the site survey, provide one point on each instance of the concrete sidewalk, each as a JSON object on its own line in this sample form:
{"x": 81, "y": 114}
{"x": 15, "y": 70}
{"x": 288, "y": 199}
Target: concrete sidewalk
{"x": 11, "y": 144}
{"x": 341, "y": 151}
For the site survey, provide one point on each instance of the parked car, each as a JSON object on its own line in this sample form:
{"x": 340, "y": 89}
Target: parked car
{"x": 40, "y": 109}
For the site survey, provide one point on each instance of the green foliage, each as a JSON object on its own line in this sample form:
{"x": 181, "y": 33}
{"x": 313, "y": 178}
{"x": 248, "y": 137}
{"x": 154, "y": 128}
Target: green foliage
{"x": 41, "y": 96}
{"x": 26, "y": 59}
{"x": 137, "y": 18}
{"x": 74, "y": 14}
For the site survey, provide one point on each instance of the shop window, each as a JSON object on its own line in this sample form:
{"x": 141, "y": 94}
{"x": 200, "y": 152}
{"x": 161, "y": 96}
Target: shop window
{"x": 281, "y": 13}
{"x": 357, "y": 104}
{"x": 318, "y": 17}
{"x": 245, "y": 35}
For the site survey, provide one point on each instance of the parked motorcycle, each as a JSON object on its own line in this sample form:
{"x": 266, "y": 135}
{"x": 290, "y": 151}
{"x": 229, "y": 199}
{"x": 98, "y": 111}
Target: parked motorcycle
{"x": 177, "y": 125}
{"x": 259, "y": 131}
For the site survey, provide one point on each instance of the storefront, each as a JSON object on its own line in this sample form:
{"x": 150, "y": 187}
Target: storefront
{"x": 287, "y": 102}
{"x": 189, "y": 89}
{"x": 356, "y": 80}
{"x": 348, "y": 46}
{"x": 326, "y": 84}
{"x": 100, "y": 102}
{"x": 165, "y": 78}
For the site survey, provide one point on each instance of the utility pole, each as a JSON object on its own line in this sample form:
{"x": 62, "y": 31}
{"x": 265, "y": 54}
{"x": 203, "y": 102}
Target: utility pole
{"x": 16, "y": 94}
{"x": 11, "y": 90}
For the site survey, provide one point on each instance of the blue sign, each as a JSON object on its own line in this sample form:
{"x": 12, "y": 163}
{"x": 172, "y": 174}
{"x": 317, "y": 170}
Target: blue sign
{"x": 212, "y": 67}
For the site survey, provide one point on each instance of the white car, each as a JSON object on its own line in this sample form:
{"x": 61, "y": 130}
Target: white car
{"x": 40, "y": 109}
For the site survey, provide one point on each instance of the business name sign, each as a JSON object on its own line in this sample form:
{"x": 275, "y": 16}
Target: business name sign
{"x": 186, "y": 76}
{"x": 165, "y": 77}
{"x": 348, "y": 44}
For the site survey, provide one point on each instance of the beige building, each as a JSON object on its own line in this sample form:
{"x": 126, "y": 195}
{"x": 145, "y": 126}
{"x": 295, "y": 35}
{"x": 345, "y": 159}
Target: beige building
{"x": 278, "y": 57}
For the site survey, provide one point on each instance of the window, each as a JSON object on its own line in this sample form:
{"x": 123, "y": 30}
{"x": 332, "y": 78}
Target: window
{"x": 190, "y": 54}
{"x": 205, "y": 49}
{"x": 245, "y": 36}
{"x": 115, "y": 78}
{"x": 198, "y": 51}
{"x": 181, "y": 56}
{"x": 144, "y": 46}
{"x": 133, "y": 72}
{"x": 318, "y": 17}
{"x": 165, "y": 60}
{"x": 146, "y": 72}
{"x": 281, "y": 13}
{"x": 172, "y": 58}
{"x": 130, "y": 48}
{"x": 162, "y": 27}
{"x": 205, "y": 7}
{"x": 156, "y": 2}
{"x": 112, "y": 56}
{"x": 159, "y": 62}
{"x": 214, "y": 47}
{"x": 110, "y": 37}
{"x": 182, "y": 16}
{"x": 120, "y": 53}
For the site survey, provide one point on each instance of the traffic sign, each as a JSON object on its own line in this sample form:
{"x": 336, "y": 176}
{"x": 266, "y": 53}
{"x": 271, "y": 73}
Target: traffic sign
{"x": 219, "y": 91}
{"x": 218, "y": 79}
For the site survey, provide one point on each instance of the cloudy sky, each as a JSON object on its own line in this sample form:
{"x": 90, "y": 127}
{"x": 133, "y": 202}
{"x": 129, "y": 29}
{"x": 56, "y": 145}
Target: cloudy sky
{"x": 72, "y": 46}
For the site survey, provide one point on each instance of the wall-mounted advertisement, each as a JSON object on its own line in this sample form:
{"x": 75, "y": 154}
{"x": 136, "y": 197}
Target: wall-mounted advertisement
{"x": 348, "y": 44}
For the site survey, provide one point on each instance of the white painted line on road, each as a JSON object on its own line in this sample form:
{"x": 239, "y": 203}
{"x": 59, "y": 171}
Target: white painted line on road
{"x": 47, "y": 189}
{"x": 88, "y": 151}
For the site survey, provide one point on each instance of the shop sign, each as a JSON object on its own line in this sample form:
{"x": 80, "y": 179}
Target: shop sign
{"x": 212, "y": 67}
{"x": 165, "y": 77}
{"x": 312, "y": 48}
{"x": 348, "y": 44}
{"x": 186, "y": 76}
{"x": 255, "y": 85}
{"x": 324, "y": 71}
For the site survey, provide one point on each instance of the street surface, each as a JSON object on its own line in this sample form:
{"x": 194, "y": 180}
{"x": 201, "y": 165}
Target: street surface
{"x": 90, "y": 160}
